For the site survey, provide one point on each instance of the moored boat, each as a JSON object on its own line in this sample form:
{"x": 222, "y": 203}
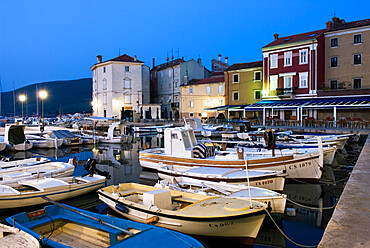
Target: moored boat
{"x": 11, "y": 237}
{"x": 66, "y": 226}
{"x": 43, "y": 142}
{"x": 180, "y": 148}
{"x": 15, "y": 139}
{"x": 23, "y": 162}
{"x": 30, "y": 192}
{"x": 188, "y": 213}
{"x": 273, "y": 180}
{"x": 274, "y": 200}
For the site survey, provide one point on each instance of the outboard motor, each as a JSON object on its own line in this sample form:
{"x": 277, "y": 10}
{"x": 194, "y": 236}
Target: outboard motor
{"x": 90, "y": 167}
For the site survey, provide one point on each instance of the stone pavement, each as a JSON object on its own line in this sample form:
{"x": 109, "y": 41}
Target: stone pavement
{"x": 350, "y": 223}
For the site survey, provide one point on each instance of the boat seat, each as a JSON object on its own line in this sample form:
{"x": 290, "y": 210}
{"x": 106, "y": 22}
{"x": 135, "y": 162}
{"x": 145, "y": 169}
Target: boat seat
{"x": 184, "y": 199}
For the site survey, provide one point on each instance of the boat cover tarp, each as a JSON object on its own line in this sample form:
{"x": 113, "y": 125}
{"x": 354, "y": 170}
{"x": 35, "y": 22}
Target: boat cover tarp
{"x": 62, "y": 134}
{"x": 16, "y": 135}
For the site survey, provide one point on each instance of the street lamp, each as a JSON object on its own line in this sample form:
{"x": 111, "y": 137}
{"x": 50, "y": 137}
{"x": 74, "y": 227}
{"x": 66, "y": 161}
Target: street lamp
{"x": 22, "y": 98}
{"x": 42, "y": 94}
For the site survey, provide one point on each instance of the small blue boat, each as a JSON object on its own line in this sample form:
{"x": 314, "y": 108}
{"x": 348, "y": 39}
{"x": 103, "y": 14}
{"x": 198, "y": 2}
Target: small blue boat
{"x": 65, "y": 226}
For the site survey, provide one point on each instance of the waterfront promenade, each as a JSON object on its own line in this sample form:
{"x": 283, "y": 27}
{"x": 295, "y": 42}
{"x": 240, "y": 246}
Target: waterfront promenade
{"x": 350, "y": 223}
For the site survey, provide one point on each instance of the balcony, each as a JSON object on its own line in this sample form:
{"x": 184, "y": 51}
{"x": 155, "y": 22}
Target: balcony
{"x": 286, "y": 92}
{"x": 175, "y": 105}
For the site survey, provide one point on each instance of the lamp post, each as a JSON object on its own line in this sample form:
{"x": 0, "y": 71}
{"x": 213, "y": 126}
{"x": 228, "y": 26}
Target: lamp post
{"x": 42, "y": 94}
{"x": 22, "y": 98}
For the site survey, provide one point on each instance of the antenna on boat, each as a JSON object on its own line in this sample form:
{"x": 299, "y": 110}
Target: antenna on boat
{"x": 186, "y": 124}
{"x": 249, "y": 186}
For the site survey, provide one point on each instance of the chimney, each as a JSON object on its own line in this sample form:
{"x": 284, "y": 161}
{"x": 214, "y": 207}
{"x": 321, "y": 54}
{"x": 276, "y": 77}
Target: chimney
{"x": 182, "y": 58}
{"x": 199, "y": 61}
{"x": 153, "y": 62}
{"x": 219, "y": 57}
{"x": 99, "y": 58}
{"x": 328, "y": 24}
{"x": 226, "y": 60}
{"x": 168, "y": 59}
{"x": 186, "y": 80}
{"x": 335, "y": 19}
{"x": 135, "y": 58}
{"x": 276, "y": 36}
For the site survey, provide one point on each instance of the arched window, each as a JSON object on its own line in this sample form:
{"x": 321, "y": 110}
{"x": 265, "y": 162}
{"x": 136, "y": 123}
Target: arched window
{"x": 104, "y": 84}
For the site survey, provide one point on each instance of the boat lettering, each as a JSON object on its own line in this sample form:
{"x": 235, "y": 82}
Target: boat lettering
{"x": 300, "y": 165}
{"x": 264, "y": 182}
{"x": 222, "y": 224}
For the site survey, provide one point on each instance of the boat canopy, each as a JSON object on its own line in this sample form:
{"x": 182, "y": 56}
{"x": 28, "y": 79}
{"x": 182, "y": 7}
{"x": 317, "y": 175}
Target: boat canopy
{"x": 14, "y": 134}
{"x": 62, "y": 134}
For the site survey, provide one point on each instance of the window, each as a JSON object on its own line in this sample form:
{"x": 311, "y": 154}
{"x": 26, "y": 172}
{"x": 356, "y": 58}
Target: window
{"x": 208, "y": 103}
{"x": 236, "y": 96}
{"x": 236, "y": 78}
{"x": 273, "y": 82}
{"x": 127, "y": 84}
{"x": 104, "y": 84}
{"x": 127, "y": 98}
{"x": 104, "y": 69}
{"x": 288, "y": 58}
{"x": 273, "y": 61}
{"x": 190, "y": 90}
{"x": 304, "y": 112}
{"x": 334, "y": 42}
{"x": 357, "y": 39}
{"x": 220, "y": 88}
{"x": 170, "y": 73}
{"x": 208, "y": 89}
{"x": 357, "y": 83}
{"x": 333, "y": 84}
{"x": 105, "y": 98}
{"x": 191, "y": 103}
{"x": 288, "y": 82}
{"x": 257, "y": 76}
{"x": 191, "y": 114}
{"x": 334, "y": 62}
{"x": 357, "y": 59}
{"x": 127, "y": 68}
{"x": 257, "y": 94}
{"x": 303, "y": 56}
{"x": 220, "y": 102}
{"x": 303, "y": 79}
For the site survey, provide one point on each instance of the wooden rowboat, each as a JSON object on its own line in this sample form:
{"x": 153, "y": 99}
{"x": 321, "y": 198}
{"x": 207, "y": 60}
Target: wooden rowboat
{"x": 66, "y": 226}
{"x": 274, "y": 200}
{"x": 273, "y": 180}
{"x": 11, "y": 237}
{"x": 30, "y": 192}
{"x": 185, "y": 212}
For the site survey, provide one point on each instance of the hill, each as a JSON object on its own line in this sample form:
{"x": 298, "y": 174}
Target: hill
{"x": 70, "y": 97}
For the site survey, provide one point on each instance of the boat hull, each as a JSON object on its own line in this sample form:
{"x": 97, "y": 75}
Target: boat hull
{"x": 244, "y": 228}
{"x": 304, "y": 167}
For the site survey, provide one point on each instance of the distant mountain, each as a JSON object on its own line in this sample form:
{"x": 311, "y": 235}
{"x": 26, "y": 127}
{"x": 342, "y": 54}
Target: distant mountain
{"x": 70, "y": 97}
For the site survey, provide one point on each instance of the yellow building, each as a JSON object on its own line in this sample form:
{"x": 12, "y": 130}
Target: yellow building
{"x": 200, "y": 94}
{"x": 243, "y": 86}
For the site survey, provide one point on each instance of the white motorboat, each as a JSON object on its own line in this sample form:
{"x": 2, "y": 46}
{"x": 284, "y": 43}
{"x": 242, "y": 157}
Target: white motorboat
{"x": 274, "y": 200}
{"x": 181, "y": 148}
{"x": 69, "y": 139}
{"x": 43, "y": 142}
{"x": 11, "y": 237}
{"x": 273, "y": 180}
{"x": 30, "y": 192}
{"x": 23, "y": 162}
{"x": 215, "y": 130}
{"x": 113, "y": 136}
{"x": 185, "y": 212}
{"x": 295, "y": 141}
{"x": 150, "y": 129}
{"x": 11, "y": 176}
{"x": 15, "y": 139}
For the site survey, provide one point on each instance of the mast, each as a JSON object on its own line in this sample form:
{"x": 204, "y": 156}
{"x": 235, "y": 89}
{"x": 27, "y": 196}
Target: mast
{"x": 37, "y": 102}
{"x": 1, "y": 92}
{"x": 13, "y": 99}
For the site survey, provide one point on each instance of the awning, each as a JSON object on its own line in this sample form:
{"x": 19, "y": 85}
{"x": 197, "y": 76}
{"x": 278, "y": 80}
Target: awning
{"x": 314, "y": 103}
{"x": 227, "y": 107}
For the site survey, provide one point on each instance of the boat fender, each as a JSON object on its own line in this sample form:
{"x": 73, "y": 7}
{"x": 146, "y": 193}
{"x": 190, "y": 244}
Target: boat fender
{"x": 152, "y": 219}
{"x": 121, "y": 208}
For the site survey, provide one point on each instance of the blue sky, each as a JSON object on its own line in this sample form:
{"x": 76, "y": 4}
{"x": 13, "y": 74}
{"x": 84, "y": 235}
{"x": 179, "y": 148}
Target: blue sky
{"x": 58, "y": 40}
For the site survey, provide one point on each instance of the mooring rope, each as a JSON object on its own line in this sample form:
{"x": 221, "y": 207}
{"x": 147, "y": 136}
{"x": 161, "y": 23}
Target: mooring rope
{"x": 281, "y": 231}
{"x": 313, "y": 208}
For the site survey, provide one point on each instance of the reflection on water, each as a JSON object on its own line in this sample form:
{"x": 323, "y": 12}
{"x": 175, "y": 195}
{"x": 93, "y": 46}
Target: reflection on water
{"x": 122, "y": 162}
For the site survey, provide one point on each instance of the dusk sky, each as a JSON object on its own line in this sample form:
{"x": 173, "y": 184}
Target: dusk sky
{"x": 58, "y": 40}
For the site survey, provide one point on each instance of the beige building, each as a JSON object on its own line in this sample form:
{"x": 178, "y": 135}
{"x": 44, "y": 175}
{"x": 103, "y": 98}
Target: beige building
{"x": 347, "y": 58}
{"x": 200, "y": 94}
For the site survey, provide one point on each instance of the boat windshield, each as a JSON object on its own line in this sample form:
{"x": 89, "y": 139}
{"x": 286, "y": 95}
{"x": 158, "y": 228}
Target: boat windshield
{"x": 186, "y": 139}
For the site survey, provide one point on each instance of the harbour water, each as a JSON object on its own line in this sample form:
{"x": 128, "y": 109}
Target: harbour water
{"x": 121, "y": 161}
